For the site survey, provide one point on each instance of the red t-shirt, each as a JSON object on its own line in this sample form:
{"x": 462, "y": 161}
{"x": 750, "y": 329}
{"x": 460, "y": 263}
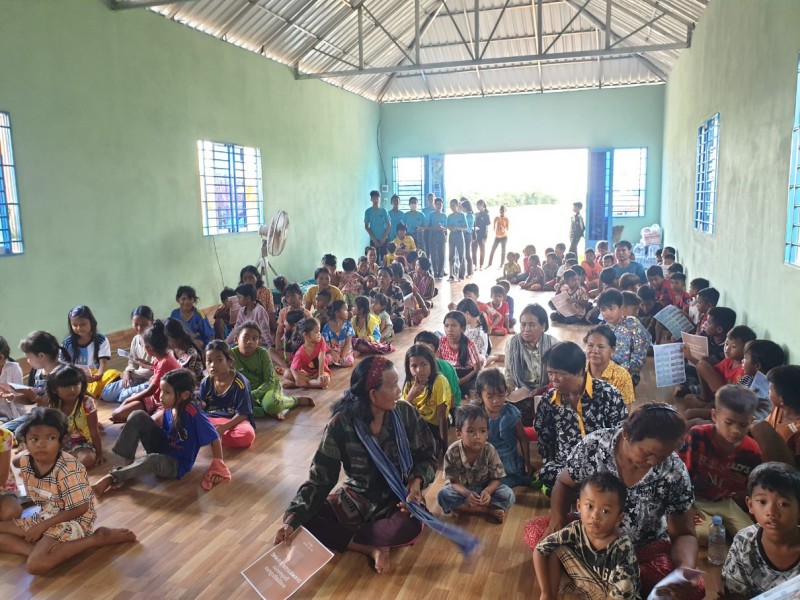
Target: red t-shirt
{"x": 716, "y": 475}
{"x": 679, "y": 301}
{"x": 731, "y": 370}
{"x": 664, "y": 293}
{"x": 301, "y": 361}
{"x": 592, "y": 271}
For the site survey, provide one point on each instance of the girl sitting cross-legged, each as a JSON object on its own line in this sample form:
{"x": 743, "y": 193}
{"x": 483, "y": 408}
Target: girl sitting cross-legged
{"x": 171, "y": 450}
{"x": 309, "y": 367}
{"x": 90, "y": 349}
{"x": 338, "y": 334}
{"x": 58, "y": 484}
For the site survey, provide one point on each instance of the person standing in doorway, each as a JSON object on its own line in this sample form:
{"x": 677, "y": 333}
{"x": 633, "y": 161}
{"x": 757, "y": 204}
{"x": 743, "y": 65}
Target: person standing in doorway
{"x": 480, "y": 233}
{"x": 500, "y": 236}
{"x": 428, "y": 208}
{"x": 377, "y": 224}
{"x": 436, "y": 226}
{"x": 396, "y": 216}
{"x": 466, "y": 208}
{"x": 577, "y": 227}
{"x": 456, "y": 226}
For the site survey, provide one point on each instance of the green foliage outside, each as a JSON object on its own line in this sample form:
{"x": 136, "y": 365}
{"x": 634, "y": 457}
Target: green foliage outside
{"x": 509, "y": 198}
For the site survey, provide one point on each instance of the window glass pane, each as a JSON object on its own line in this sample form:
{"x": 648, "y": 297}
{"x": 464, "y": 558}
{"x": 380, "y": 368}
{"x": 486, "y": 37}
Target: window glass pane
{"x": 10, "y": 226}
{"x": 705, "y": 199}
{"x": 630, "y": 177}
{"x": 409, "y": 179}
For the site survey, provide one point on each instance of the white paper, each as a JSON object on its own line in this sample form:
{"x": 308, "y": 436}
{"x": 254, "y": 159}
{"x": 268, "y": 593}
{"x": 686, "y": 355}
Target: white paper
{"x": 674, "y": 320}
{"x": 564, "y": 305}
{"x": 696, "y": 344}
{"x": 19, "y": 386}
{"x": 677, "y": 576}
{"x": 760, "y": 385}
{"x": 123, "y": 353}
{"x": 285, "y": 569}
{"x": 788, "y": 590}
{"x": 669, "y": 364}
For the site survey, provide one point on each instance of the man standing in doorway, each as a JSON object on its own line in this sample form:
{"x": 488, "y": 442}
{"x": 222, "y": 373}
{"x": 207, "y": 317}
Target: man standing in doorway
{"x": 625, "y": 264}
{"x": 429, "y": 207}
{"x": 396, "y": 216}
{"x": 377, "y": 224}
{"x": 576, "y": 227}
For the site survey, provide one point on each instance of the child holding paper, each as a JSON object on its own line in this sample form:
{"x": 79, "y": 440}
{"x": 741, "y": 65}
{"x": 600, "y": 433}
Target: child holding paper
{"x": 577, "y": 297}
{"x": 760, "y": 357}
{"x": 633, "y": 341}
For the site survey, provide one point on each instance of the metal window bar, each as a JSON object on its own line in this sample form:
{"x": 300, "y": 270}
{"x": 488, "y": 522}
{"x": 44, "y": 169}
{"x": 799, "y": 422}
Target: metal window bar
{"x": 10, "y": 225}
{"x": 705, "y": 199}
{"x": 630, "y": 178}
{"x": 409, "y": 180}
{"x": 230, "y": 187}
{"x": 792, "y": 248}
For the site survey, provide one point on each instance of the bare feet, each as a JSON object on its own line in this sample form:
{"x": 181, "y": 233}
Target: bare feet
{"x": 282, "y": 415}
{"x": 381, "y": 558}
{"x": 103, "y": 484}
{"x": 305, "y": 401}
{"x": 499, "y": 514}
{"x": 107, "y": 537}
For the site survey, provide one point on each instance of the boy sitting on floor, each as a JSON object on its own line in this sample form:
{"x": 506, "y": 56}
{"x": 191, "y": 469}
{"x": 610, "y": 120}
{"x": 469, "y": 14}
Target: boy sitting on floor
{"x": 767, "y": 554}
{"x": 719, "y": 457}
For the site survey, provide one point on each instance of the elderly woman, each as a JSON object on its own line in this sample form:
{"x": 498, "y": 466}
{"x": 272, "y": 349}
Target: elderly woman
{"x": 525, "y": 372}
{"x": 657, "y": 516}
{"x": 376, "y": 439}
{"x": 577, "y": 405}
{"x": 600, "y": 343}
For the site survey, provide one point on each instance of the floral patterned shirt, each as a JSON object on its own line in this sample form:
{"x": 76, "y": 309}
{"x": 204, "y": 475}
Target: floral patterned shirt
{"x": 664, "y": 490}
{"x": 560, "y": 426}
{"x": 486, "y": 468}
{"x": 633, "y": 342}
{"x": 747, "y": 569}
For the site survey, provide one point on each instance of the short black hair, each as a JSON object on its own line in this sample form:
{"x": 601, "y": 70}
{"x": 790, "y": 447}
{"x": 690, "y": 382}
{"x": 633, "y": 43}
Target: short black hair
{"x": 742, "y": 333}
{"x": 578, "y": 270}
{"x": 608, "y": 274}
{"x": 737, "y": 398}
{"x": 606, "y": 481}
{"x": 538, "y": 312}
{"x": 469, "y": 412}
{"x": 349, "y": 264}
{"x": 247, "y": 291}
{"x": 321, "y": 271}
{"x": 724, "y": 317}
{"x": 226, "y": 293}
{"x": 374, "y": 194}
{"x": 609, "y": 298}
{"x": 766, "y": 354}
{"x": 699, "y": 283}
{"x": 654, "y": 420}
{"x": 605, "y": 331}
{"x": 709, "y": 295}
{"x": 50, "y": 417}
{"x": 188, "y": 291}
{"x": 623, "y": 244}
{"x": 566, "y": 356}
{"x": 668, "y": 255}
{"x": 679, "y": 276}
{"x": 293, "y": 288}
{"x": 569, "y": 255}
{"x": 491, "y": 379}
{"x": 646, "y": 293}
{"x": 786, "y": 381}
{"x": 497, "y": 290}
{"x": 628, "y": 281}
{"x": 472, "y": 288}
{"x": 675, "y": 268}
{"x": 775, "y": 477}
{"x": 427, "y": 337}
{"x": 655, "y": 271}
{"x": 569, "y": 274}
{"x": 631, "y": 299}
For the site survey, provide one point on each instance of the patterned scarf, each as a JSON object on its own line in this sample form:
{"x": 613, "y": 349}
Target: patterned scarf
{"x": 465, "y": 541}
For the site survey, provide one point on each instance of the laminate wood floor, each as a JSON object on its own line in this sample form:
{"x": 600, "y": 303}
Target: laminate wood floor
{"x": 194, "y": 544}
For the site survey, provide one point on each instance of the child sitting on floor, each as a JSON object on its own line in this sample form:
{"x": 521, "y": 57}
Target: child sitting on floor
{"x": 631, "y": 304}
{"x": 414, "y": 307}
{"x": 338, "y": 334}
{"x": 720, "y": 321}
{"x": 473, "y": 469}
{"x": 678, "y": 296}
{"x": 477, "y": 329}
{"x": 719, "y": 457}
{"x": 149, "y": 399}
{"x": 171, "y": 449}
{"x": 695, "y": 285}
{"x": 378, "y": 305}
{"x": 184, "y": 348}
{"x": 66, "y": 391}
{"x": 500, "y": 305}
{"x": 767, "y": 554}
{"x": 598, "y": 559}
{"x": 90, "y": 349}
{"x": 309, "y": 368}
{"x": 536, "y": 277}
{"x": 784, "y": 420}
{"x": 57, "y": 482}
{"x": 350, "y": 282}
{"x": 253, "y": 361}
{"x": 633, "y": 341}
{"x": 192, "y": 317}
{"x": 430, "y": 339}
{"x": 140, "y": 364}
{"x": 511, "y": 268}
{"x": 661, "y": 287}
{"x": 648, "y": 309}
{"x": 506, "y": 433}
{"x": 592, "y": 267}
{"x": 10, "y": 371}
{"x": 457, "y": 349}
{"x": 608, "y": 261}
{"x": 293, "y": 296}
{"x": 321, "y": 303}
{"x": 225, "y": 396}
{"x": 550, "y": 269}
{"x": 428, "y": 391}
{"x": 760, "y": 356}
{"x": 576, "y": 295}
{"x": 251, "y": 310}
{"x": 707, "y": 298}
{"x": 629, "y": 282}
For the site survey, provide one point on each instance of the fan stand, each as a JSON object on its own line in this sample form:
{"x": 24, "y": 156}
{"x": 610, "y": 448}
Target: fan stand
{"x": 263, "y": 262}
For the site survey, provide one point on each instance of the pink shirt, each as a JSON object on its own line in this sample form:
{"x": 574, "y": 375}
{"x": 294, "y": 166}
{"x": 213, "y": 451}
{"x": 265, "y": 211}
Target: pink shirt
{"x": 310, "y": 364}
{"x": 260, "y": 316}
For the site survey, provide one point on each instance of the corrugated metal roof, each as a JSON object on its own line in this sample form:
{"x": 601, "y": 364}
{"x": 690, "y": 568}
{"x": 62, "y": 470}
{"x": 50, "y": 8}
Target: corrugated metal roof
{"x": 322, "y": 36}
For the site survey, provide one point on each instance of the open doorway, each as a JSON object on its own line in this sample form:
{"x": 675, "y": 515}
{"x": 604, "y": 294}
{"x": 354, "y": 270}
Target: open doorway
{"x": 537, "y": 188}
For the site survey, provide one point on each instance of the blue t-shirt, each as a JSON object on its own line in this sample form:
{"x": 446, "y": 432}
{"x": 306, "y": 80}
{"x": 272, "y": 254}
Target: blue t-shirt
{"x": 435, "y": 219}
{"x": 633, "y": 267}
{"x": 510, "y": 301}
{"x": 470, "y": 221}
{"x": 85, "y": 355}
{"x": 395, "y": 218}
{"x": 428, "y": 210}
{"x": 456, "y": 220}
{"x": 235, "y": 401}
{"x": 503, "y": 436}
{"x": 377, "y": 219}
{"x": 197, "y": 325}
{"x": 197, "y": 430}
{"x": 413, "y": 220}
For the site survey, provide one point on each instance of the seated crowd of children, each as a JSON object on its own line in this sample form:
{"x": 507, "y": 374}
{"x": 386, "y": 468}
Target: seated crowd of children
{"x": 192, "y": 382}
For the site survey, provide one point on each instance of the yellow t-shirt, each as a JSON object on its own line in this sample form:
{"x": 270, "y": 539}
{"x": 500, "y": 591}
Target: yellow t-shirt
{"x": 388, "y": 259}
{"x": 311, "y": 294}
{"x": 7, "y": 445}
{"x": 620, "y": 379}
{"x": 406, "y": 245}
{"x": 373, "y": 326}
{"x": 427, "y": 406}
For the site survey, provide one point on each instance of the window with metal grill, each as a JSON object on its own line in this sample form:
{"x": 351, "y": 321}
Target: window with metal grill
{"x": 230, "y": 187}
{"x": 629, "y": 180}
{"x": 409, "y": 180}
{"x": 705, "y": 191}
{"x": 792, "y": 249}
{"x": 10, "y": 226}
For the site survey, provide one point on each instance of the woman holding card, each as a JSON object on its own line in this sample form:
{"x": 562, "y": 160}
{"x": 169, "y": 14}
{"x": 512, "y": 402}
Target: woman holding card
{"x": 379, "y": 442}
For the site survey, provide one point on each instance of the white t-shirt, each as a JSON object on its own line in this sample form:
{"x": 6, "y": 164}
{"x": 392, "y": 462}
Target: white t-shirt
{"x": 11, "y": 373}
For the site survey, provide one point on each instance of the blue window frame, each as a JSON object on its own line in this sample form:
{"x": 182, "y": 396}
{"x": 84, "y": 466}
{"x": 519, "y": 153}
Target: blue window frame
{"x": 705, "y": 191}
{"x": 791, "y": 252}
{"x": 10, "y": 226}
{"x": 630, "y": 179}
{"x": 230, "y": 187}
{"x": 409, "y": 179}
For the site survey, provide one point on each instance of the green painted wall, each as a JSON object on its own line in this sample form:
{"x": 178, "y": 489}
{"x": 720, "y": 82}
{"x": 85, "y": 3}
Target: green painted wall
{"x": 742, "y": 64}
{"x": 106, "y": 109}
{"x": 622, "y": 117}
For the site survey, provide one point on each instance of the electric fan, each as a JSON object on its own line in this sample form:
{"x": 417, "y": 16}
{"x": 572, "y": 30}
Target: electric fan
{"x": 273, "y": 239}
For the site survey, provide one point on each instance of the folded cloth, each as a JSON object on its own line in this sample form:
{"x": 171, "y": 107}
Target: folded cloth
{"x": 217, "y": 468}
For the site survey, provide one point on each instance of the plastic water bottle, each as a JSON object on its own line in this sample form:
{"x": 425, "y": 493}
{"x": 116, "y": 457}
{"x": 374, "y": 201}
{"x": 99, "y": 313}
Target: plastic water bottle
{"x": 716, "y": 541}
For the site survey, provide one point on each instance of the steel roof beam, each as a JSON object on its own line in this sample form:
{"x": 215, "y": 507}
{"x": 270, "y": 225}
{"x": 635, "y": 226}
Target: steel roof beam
{"x": 567, "y": 26}
{"x": 123, "y": 4}
{"x": 511, "y": 38}
{"x": 627, "y": 50}
{"x": 494, "y": 29}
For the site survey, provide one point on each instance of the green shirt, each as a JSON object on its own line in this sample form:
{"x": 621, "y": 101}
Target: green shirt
{"x": 257, "y": 368}
{"x": 446, "y": 369}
